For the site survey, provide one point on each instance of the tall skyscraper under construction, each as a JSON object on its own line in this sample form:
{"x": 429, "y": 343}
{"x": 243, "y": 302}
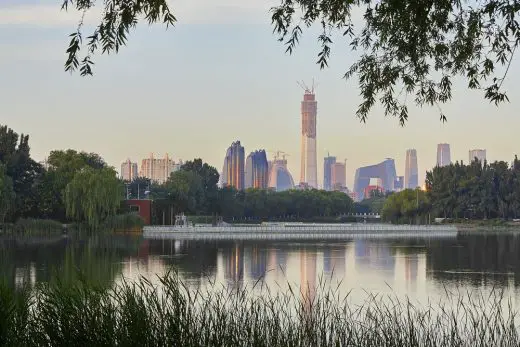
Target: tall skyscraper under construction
{"x": 411, "y": 171}
{"x": 256, "y": 173}
{"x": 309, "y": 168}
{"x": 233, "y": 169}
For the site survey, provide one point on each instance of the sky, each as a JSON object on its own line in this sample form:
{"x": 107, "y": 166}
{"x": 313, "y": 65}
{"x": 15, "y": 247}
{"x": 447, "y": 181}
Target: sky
{"x": 218, "y": 76}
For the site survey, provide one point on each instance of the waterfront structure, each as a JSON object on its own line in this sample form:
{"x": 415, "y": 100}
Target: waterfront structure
{"x": 443, "y": 154}
{"x": 309, "y": 109}
{"x": 339, "y": 176}
{"x": 128, "y": 170}
{"x": 158, "y": 169}
{"x": 411, "y": 170}
{"x": 233, "y": 169}
{"x": 280, "y": 178}
{"x": 256, "y": 171}
{"x": 480, "y": 154}
{"x": 385, "y": 171}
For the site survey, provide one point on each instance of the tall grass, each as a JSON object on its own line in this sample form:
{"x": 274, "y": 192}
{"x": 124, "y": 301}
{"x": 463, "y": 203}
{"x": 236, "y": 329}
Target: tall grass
{"x": 171, "y": 314}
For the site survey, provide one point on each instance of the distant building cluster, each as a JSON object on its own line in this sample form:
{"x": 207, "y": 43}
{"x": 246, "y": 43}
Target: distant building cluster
{"x": 156, "y": 169}
{"x": 257, "y": 172}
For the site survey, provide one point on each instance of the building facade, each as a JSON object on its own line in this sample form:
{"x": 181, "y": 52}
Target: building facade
{"x": 411, "y": 170}
{"x": 129, "y": 170}
{"x": 158, "y": 169}
{"x": 479, "y": 154}
{"x": 384, "y": 171}
{"x": 256, "y": 171}
{"x": 443, "y": 154}
{"x": 280, "y": 178}
{"x": 233, "y": 169}
{"x": 338, "y": 176}
{"x": 309, "y": 168}
{"x": 328, "y": 161}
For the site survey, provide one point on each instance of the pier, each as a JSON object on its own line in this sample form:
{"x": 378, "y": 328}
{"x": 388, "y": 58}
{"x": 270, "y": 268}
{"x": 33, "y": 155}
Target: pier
{"x": 303, "y": 231}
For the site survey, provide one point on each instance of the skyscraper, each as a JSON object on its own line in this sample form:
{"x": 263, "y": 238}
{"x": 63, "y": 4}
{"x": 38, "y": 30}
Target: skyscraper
{"x": 128, "y": 170}
{"x": 256, "y": 172}
{"x": 443, "y": 154}
{"x": 384, "y": 171}
{"x": 411, "y": 171}
{"x": 327, "y": 172}
{"x": 309, "y": 169}
{"x": 339, "y": 176}
{"x": 480, "y": 154}
{"x": 280, "y": 178}
{"x": 157, "y": 169}
{"x": 233, "y": 169}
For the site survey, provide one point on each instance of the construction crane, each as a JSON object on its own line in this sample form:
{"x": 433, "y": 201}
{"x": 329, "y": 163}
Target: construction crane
{"x": 306, "y": 88}
{"x": 277, "y": 154}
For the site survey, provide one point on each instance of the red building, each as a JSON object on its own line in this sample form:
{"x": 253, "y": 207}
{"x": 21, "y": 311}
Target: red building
{"x": 143, "y": 207}
{"x": 369, "y": 189}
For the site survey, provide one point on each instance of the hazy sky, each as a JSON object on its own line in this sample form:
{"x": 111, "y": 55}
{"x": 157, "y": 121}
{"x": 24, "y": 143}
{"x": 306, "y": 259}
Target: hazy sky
{"x": 218, "y": 76}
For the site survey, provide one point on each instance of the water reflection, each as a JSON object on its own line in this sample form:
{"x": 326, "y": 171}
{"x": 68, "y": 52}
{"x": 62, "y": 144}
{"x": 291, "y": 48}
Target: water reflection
{"x": 414, "y": 267}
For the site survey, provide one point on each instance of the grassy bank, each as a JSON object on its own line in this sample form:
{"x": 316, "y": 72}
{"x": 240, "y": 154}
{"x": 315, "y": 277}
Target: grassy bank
{"x": 141, "y": 314}
{"x": 118, "y": 223}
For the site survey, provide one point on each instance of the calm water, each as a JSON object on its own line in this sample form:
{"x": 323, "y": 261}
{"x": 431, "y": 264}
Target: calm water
{"x": 422, "y": 269}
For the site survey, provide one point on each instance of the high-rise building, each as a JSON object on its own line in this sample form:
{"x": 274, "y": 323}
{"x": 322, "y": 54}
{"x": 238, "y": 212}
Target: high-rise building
{"x": 411, "y": 170}
{"x": 128, "y": 170}
{"x": 309, "y": 168}
{"x": 443, "y": 154}
{"x": 399, "y": 183}
{"x": 157, "y": 169}
{"x": 233, "y": 169}
{"x": 384, "y": 171}
{"x": 327, "y": 172}
{"x": 480, "y": 154}
{"x": 256, "y": 172}
{"x": 339, "y": 176}
{"x": 280, "y": 178}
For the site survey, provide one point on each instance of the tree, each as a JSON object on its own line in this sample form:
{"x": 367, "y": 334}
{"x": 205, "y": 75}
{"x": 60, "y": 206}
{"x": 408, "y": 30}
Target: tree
{"x": 23, "y": 171}
{"x": 93, "y": 195}
{"x": 403, "y": 57}
{"x": 7, "y": 195}
{"x": 63, "y": 166}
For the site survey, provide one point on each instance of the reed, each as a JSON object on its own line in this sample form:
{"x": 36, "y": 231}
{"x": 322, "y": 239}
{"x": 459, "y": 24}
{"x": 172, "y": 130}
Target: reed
{"x": 170, "y": 313}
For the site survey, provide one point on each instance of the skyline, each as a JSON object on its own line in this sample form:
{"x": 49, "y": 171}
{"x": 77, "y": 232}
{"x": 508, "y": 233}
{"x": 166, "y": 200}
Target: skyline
{"x": 242, "y": 74}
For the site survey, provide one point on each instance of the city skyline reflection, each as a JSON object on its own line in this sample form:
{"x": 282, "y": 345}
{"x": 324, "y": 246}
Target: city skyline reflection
{"x": 417, "y": 268}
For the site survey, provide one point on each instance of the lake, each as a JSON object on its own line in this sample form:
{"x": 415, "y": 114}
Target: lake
{"x": 421, "y": 269}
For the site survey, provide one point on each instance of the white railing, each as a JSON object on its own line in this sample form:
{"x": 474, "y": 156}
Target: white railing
{"x": 302, "y": 229}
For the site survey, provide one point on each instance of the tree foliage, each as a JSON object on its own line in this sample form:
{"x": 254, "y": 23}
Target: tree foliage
{"x": 22, "y": 170}
{"x": 411, "y": 50}
{"x": 477, "y": 190}
{"x": 93, "y": 195}
{"x": 408, "y": 50}
{"x": 406, "y": 206}
{"x": 119, "y": 17}
{"x": 63, "y": 165}
{"x": 7, "y": 195}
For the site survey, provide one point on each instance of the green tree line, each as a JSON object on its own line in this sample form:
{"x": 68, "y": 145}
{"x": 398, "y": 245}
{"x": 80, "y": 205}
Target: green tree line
{"x": 72, "y": 186}
{"x": 479, "y": 190}
{"x": 194, "y": 190}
